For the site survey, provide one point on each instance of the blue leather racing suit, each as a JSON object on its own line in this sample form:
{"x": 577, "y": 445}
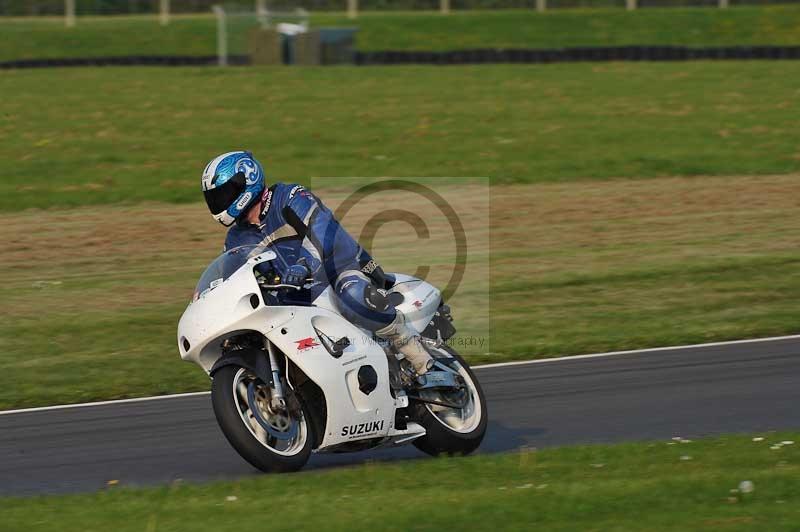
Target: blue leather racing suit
{"x": 297, "y": 225}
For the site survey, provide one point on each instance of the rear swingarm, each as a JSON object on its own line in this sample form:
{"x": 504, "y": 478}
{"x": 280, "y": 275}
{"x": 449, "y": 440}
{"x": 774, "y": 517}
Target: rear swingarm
{"x": 446, "y": 404}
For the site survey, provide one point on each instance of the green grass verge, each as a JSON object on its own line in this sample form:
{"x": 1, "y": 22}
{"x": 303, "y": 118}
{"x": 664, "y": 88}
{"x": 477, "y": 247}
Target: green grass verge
{"x": 195, "y": 35}
{"x": 634, "y": 486}
{"x": 101, "y": 136}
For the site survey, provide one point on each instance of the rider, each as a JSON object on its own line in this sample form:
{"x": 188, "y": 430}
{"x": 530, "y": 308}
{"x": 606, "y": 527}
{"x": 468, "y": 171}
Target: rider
{"x": 309, "y": 242}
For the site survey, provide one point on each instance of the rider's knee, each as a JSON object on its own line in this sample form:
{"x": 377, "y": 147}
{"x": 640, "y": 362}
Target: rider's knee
{"x": 361, "y": 302}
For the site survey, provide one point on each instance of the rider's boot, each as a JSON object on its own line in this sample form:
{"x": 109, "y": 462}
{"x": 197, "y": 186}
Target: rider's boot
{"x": 405, "y": 340}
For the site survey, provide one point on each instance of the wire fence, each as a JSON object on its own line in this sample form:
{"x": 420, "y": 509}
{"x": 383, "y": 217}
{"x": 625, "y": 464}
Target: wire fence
{"x": 144, "y": 7}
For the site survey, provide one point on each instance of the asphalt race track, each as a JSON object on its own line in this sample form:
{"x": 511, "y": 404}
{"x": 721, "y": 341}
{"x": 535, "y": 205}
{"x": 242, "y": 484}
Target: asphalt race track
{"x": 688, "y": 392}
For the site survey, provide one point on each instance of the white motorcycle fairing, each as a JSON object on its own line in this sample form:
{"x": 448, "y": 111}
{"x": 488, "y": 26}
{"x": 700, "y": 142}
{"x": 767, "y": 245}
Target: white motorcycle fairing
{"x": 235, "y": 306}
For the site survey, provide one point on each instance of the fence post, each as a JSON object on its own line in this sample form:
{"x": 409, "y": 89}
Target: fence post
{"x": 163, "y": 16}
{"x": 222, "y": 36}
{"x": 541, "y": 6}
{"x": 444, "y": 7}
{"x": 723, "y": 4}
{"x": 352, "y": 9}
{"x": 630, "y": 5}
{"x": 69, "y": 13}
{"x": 262, "y": 13}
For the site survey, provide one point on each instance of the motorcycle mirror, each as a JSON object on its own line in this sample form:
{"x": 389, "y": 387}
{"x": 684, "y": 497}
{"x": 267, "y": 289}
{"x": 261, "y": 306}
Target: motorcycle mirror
{"x": 263, "y": 257}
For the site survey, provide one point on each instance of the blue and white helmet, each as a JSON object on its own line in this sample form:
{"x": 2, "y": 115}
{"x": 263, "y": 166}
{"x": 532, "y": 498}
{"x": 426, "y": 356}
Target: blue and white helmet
{"x": 232, "y": 183}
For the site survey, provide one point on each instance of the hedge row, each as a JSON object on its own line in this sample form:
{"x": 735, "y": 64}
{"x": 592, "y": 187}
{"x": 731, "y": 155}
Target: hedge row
{"x": 612, "y": 53}
{"x": 460, "y": 57}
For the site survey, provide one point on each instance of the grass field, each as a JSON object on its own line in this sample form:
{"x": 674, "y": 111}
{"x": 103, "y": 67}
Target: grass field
{"x": 195, "y": 35}
{"x": 659, "y": 486}
{"x": 128, "y": 135}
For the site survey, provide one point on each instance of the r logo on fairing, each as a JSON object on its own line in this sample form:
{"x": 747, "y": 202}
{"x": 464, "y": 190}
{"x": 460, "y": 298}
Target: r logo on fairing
{"x": 306, "y": 343}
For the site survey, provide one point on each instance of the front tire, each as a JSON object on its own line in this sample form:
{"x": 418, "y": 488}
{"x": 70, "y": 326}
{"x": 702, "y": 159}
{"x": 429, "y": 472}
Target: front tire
{"x": 451, "y": 431}
{"x": 271, "y": 441}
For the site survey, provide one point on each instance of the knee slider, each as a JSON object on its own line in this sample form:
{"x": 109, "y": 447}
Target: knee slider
{"x": 375, "y": 299}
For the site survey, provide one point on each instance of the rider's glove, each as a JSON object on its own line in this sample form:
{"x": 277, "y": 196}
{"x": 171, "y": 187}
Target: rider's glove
{"x": 296, "y": 275}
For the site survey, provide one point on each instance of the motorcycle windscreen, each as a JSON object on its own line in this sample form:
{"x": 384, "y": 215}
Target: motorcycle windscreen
{"x": 223, "y": 267}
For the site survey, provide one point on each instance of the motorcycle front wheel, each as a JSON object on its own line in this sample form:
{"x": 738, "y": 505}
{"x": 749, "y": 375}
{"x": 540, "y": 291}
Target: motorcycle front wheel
{"x": 271, "y": 439}
{"x": 452, "y": 430}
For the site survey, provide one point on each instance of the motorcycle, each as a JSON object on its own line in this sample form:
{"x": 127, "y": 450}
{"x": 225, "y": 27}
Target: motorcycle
{"x": 291, "y": 379}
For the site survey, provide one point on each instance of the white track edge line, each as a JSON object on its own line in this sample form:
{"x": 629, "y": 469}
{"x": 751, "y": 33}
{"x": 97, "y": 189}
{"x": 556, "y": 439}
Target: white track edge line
{"x": 483, "y": 366}
{"x": 638, "y": 351}
{"x": 102, "y": 403}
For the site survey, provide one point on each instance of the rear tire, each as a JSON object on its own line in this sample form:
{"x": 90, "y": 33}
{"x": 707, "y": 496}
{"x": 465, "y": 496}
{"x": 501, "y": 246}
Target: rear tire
{"x": 441, "y": 438}
{"x": 228, "y": 411}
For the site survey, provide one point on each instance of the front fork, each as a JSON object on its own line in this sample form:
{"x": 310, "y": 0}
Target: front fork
{"x": 278, "y": 400}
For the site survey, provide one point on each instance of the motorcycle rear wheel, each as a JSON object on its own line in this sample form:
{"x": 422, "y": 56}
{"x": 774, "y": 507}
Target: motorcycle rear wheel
{"x": 272, "y": 441}
{"x": 449, "y": 430}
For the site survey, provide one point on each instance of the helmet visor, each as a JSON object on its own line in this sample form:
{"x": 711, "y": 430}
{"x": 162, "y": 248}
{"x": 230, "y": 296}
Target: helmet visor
{"x": 220, "y": 198}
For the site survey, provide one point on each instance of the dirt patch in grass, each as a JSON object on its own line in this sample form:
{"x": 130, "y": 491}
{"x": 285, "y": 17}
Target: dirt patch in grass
{"x": 123, "y": 256}
{"x": 104, "y": 259}
{"x": 113, "y": 257}
{"x": 552, "y": 228}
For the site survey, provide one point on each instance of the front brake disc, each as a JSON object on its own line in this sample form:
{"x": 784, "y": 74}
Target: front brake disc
{"x": 266, "y": 425}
